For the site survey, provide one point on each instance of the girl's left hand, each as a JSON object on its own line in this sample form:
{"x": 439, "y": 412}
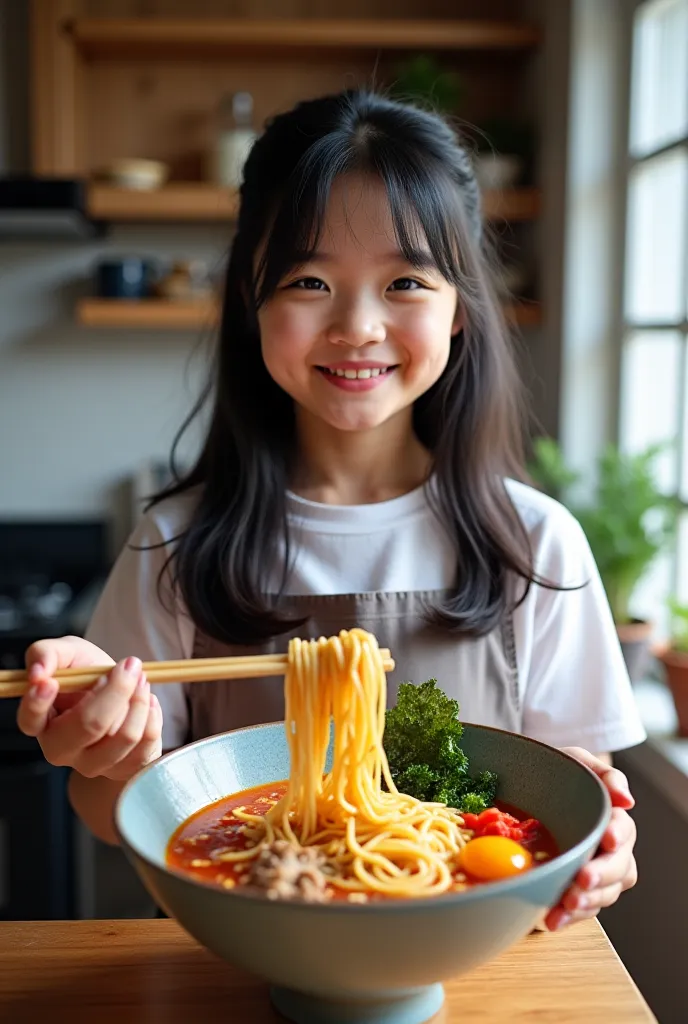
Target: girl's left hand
{"x": 613, "y": 870}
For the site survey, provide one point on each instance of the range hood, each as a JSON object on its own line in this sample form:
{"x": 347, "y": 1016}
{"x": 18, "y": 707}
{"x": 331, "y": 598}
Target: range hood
{"x": 44, "y": 209}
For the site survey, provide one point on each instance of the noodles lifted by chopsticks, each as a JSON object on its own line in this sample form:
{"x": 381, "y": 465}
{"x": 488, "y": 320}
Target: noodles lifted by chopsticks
{"x": 374, "y": 839}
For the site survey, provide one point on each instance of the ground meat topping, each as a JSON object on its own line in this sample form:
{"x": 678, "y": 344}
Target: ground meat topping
{"x": 290, "y": 872}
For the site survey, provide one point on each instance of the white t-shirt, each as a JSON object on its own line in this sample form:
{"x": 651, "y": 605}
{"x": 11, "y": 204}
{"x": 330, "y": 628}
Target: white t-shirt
{"x": 574, "y": 688}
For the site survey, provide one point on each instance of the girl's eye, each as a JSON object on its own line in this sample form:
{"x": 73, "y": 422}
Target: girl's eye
{"x": 310, "y": 284}
{"x": 405, "y": 284}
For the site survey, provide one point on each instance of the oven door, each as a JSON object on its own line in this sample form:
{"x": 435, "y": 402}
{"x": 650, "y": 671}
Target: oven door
{"x": 36, "y": 840}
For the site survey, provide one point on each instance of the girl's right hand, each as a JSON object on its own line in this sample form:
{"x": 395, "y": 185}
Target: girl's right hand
{"x": 112, "y": 730}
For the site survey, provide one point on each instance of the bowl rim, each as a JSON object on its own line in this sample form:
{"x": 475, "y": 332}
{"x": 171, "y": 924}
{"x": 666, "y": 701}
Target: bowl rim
{"x": 394, "y": 904}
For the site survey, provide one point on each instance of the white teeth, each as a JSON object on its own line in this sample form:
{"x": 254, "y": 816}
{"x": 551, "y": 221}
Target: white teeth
{"x": 364, "y": 374}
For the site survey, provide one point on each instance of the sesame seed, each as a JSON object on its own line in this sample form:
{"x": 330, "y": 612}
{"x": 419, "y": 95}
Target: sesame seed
{"x": 201, "y": 862}
{"x": 541, "y": 855}
{"x": 229, "y": 883}
{"x": 357, "y": 897}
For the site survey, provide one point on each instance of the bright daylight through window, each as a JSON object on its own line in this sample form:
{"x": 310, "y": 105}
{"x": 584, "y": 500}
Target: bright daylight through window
{"x": 654, "y": 362}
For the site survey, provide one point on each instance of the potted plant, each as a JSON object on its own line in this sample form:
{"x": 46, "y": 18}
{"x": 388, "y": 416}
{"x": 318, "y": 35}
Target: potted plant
{"x": 422, "y": 80}
{"x": 674, "y": 657}
{"x": 628, "y": 521}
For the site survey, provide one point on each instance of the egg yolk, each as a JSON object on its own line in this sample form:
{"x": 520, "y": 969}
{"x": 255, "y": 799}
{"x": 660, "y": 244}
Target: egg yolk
{"x": 489, "y": 858}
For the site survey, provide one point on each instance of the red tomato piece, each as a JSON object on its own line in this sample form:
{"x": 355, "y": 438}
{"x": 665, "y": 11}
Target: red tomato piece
{"x": 496, "y": 828}
{"x": 493, "y": 822}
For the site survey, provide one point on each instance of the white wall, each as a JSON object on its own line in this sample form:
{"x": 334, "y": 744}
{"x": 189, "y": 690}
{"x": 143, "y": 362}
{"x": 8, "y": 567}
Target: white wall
{"x": 81, "y": 408}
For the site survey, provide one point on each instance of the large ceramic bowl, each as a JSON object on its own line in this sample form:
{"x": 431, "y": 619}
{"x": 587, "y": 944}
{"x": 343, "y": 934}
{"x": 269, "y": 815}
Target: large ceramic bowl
{"x": 376, "y": 963}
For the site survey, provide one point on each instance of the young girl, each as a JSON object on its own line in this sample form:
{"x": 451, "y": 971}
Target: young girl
{"x": 359, "y": 468}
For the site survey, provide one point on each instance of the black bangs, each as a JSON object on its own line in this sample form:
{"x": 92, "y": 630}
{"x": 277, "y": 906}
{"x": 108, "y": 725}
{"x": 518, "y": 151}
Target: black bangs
{"x": 425, "y": 206}
{"x": 236, "y": 547}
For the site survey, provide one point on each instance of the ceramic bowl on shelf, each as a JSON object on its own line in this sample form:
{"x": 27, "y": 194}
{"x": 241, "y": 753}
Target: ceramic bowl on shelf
{"x": 141, "y": 175}
{"x": 497, "y": 171}
{"x": 375, "y": 963}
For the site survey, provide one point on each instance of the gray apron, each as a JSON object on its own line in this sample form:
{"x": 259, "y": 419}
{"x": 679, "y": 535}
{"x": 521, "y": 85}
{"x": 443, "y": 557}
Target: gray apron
{"x": 480, "y": 673}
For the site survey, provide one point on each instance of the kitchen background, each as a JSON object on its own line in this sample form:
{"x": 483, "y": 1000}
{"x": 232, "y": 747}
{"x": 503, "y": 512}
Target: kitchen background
{"x": 106, "y": 316}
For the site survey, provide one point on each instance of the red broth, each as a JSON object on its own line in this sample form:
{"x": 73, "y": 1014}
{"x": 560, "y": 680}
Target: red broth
{"x": 214, "y": 829}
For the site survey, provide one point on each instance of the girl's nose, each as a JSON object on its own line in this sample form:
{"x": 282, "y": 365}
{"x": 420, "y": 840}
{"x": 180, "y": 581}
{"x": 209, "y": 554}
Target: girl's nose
{"x": 357, "y": 327}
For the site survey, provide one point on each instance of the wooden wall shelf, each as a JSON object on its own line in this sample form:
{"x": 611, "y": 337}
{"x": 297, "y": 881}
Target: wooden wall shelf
{"x": 149, "y": 37}
{"x": 147, "y": 314}
{"x": 514, "y": 204}
{"x": 166, "y": 315}
{"x": 200, "y": 202}
{"x": 176, "y": 202}
{"x": 524, "y": 313}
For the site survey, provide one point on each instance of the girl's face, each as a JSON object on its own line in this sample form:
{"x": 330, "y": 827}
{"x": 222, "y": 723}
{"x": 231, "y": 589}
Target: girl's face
{"x": 357, "y": 334}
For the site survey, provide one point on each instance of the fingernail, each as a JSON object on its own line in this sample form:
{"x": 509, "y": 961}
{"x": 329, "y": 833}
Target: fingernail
{"x": 142, "y": 684}
{"x": 582, "y": 902}
{"x": 100, "y": 683}
{"x": 132, "y": 665}
{"x": 39, "y": 691}
{"x": 592, "y": 882}
{"x": 562, "y": 922}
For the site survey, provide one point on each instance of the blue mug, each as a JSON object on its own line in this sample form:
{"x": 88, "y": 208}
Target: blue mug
{"x": 127, "y": 278}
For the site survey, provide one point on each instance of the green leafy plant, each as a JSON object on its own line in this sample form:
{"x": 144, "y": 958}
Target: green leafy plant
{"x": 679, "y": 626}
{"x": 422, "y": 80}
{"x": 627, "y": 521}
{"x": 549, "y": 471}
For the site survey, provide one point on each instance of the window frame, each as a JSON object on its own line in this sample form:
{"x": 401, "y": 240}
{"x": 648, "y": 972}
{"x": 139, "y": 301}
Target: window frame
{"x": 627, "y": 326}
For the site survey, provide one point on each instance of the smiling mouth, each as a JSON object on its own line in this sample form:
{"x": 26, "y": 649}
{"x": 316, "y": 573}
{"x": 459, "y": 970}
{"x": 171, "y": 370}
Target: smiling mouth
{"x": 363, "y": 374}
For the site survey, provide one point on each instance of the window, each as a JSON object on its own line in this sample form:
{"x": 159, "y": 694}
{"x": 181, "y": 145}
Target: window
{"x": 654, "y": 358}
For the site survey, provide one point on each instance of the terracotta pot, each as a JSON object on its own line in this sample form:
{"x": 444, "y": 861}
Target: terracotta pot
{"x": 634, "y": 638}
{"x": 676, "y": 667}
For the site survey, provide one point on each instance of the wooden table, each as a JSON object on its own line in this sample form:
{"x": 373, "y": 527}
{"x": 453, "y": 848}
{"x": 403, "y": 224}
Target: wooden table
{"x": 151, "y": 972}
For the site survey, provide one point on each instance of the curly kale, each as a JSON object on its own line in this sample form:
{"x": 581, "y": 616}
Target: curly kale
{"x": 422, "y": 742}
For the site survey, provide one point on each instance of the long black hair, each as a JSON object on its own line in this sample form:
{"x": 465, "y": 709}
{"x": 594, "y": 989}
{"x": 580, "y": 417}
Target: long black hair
{"x": 470, "y": 420}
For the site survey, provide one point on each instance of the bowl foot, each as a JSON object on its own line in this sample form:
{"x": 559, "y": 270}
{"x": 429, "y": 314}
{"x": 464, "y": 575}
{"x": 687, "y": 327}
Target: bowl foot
{"x": 417, "y": 1007}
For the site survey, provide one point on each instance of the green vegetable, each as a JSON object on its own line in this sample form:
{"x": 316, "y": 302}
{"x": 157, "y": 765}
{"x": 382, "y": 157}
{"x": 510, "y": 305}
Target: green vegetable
{"x": 422, "y": 742}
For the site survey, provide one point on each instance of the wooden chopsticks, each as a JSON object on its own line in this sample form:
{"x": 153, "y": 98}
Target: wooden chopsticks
{"x": 197, "y": 670}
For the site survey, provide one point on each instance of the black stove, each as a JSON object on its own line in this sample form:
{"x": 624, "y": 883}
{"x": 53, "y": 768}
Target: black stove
{"x": 51, "y": 574}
